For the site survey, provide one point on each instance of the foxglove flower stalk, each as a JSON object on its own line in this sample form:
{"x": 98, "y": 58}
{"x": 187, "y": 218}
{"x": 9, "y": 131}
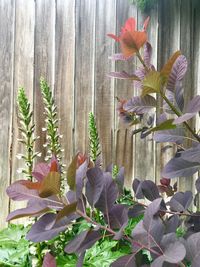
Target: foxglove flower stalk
{"x": 26, "y": 128}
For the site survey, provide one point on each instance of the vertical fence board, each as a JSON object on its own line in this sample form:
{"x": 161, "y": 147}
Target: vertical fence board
{"x": 44, "y": 61}
{"x": 64, "y": 73}
{"x": 124, "y": 90}
{"x": 84, "y": 70}
{"x": 7, "y": 14}
{"x": 168, "y": 43}
{"x": 104, "y": 87}
{"x": 145, "y": 149}
{"x": 186, "y": 33}
{"x": 23, "y": 69}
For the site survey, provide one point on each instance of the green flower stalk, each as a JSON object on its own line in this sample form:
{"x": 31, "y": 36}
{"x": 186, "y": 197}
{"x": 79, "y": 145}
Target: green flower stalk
{"x": 27, "y": 132}
{"x": 93, "y": 138}
{"x": 53, "y": 137}
{"x": 115, "y": 171}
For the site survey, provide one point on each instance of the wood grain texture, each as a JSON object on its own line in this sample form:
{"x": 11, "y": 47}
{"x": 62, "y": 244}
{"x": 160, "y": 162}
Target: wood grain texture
{"x": 43, "y": 61}
{"x": 23, "y": 76}
{"x": 64, "y": 73}
{"x": 104, "y": 87}
{"x": 7, "y": 16}
{"x": 84, "y": 71}
{"x": 187, "y": 33}
{"x": 145, "y": 148}
{"x": 168, "y": 43}
{"x": 124, "y": 139}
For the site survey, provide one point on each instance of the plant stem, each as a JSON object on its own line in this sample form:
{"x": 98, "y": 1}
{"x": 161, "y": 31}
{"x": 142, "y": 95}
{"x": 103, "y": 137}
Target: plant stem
{"x": 108, "y": 229}
{"x": 173, "y": 108}
{"x": 142, "y": 61}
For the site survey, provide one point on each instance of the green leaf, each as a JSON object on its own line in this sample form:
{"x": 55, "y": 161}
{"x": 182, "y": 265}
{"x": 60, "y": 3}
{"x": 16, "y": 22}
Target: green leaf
{"x": 152, "y": 83}
{"x": 166, "y": 125}
{"x": 14, "y": 248}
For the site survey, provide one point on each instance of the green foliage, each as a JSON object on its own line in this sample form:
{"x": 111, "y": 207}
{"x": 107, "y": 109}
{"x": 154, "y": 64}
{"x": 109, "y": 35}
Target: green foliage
{"x": 102, "y": 254}
{"x": 144, "y": 5}
{"x": 27, "y": 132}
{"x": 115, "y": 171}
{"x": 93, "y": 138}
{"x": 14, "y": 248}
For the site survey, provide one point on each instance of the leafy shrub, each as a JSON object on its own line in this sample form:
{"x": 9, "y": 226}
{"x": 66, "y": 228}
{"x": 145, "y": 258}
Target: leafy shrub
{"x": 119, "y": 230}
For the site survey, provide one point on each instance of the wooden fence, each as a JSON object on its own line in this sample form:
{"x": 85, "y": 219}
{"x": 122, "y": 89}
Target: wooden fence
{"x": 65, "y": 41}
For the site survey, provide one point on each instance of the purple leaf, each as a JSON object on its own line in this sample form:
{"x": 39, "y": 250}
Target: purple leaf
{"x": 136, "y": 185}
{"x": 194, "y": 105}
{"x": 191, "y": 110}
{"x": 40, "y": 171}
{"x": 179, "y": 95}
{"x": 118, "y": 215}
{"x": 192, "y": 248}
{"x": 125, "y": 261}
{"x": 18, "y": 191}
{"x": 180, "y": 201}
{"x": 183, "y": 118}
{"x": 174, "y": 135}
{"x": 46, "y": 228}
{"x": 136, "y": 210}
{"x": 140, "y": 105}
{"x": 80, "y": 259}
{"x": 150, "y": 190}
{"x": 108, "y": 195}
{"x": 80, "y": 174}
{"x": 173, "y": 252}
{"x": 145, "y": 189}
{"x": 178, "y": 167}
{"x": 34, "y": 208}
{"x": 120, "y": 57}
{"x": 172, "y": 224}
{"x": 177, "y": 72}
{"x": 83, "y": 241}
{"x": 118, "y": 218}
{"x": 150, "y": 212}
{"x": 49, "y": 261}
{"x": 147, "y": 53}
{"x": 149, "y": 237}
{"x": 123, "y": 75}
{"x": 140, "y": 73}
{"x": 94, "y": 185}
{"x": 191, "y": 154}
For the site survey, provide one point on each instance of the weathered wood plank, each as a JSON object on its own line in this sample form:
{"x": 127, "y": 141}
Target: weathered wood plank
{"x": 7, "y": 16}
{"x": 168, "y": 43}
{"x": 43, "y": 61}
{"x": 145, "y": 149}
{"x": 187, "y": 33}
{"x": 104, "y": 87}
{"x": 64, "y": 73}
{"x": 124, "y": 139}
{"x": 84, "y": 70}
{"x": 23, "y": 76}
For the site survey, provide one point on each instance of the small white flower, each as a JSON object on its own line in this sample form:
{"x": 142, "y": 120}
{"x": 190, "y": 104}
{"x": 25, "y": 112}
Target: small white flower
{"x": 20, "y": 170}
{"x": 39, "y": 154}
{"x": 19, "y": 156}
{"x": 44, "y": 129}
